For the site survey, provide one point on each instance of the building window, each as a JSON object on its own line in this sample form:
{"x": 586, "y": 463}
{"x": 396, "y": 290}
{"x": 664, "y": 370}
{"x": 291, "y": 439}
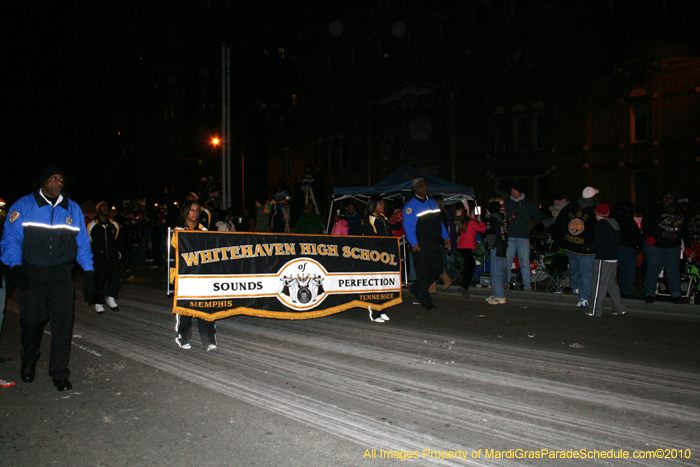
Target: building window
{"x": 341, "y": 153}
{"x": 541, "y": 194}
{"x": 520, "y": 134}
{"x": 639, "y": 122}
{"x": 640, "y": 190}
{"x": 500, "y": 130}
{"x": 354, "y": 58}
{"x": 330, "y": 154}
{"x": 320, "y": 152}
{"x": 539, "y": 126}
{"x": 502, "y": 184}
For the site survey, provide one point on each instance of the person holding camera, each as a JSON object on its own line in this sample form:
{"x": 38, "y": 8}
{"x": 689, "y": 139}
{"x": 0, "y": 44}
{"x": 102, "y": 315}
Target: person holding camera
{"x": 497, "y": 243}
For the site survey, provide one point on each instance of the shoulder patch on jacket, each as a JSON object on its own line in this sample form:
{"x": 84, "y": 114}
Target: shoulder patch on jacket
{"x": 409, "y": 211}
{"x": 14, "y": 215}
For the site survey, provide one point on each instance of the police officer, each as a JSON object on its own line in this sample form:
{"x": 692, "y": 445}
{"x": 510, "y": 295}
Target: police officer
{"x": 425, "y": 231}
{"x": 105, "y": 239}
{"x": 44, "y": 234}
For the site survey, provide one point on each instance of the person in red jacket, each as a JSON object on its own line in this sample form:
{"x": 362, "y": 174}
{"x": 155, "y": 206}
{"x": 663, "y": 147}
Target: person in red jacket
{"x": 468, "y": 224}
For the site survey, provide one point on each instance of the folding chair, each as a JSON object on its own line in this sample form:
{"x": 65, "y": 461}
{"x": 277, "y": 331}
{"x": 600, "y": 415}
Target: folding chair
{"x": 693, "y": 283}
{"x": 556, "y": 266}
{"x": 516, "y": 274}
{"x": 689, "y": 283}
{"x": 455, "y": 260}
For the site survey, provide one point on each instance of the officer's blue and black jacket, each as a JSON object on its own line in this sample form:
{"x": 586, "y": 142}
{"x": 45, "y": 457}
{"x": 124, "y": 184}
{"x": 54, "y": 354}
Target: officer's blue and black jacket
{"x": 41, "y": 235}
{"x": 422, "y": 220}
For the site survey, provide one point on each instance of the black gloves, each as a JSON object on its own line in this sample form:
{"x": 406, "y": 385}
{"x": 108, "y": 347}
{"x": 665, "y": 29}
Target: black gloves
{"x": 89, "y": 287}
{"x": 18, "y": 277}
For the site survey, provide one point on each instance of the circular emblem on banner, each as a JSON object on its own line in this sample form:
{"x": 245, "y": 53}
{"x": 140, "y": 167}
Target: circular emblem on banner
{"x": 304, "y": 295}
{"x": 303, "y": 284}
{"x": 576, "y": 226}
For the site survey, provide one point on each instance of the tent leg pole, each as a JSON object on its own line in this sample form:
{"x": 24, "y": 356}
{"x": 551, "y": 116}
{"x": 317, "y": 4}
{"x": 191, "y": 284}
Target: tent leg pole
{"x": 330, "y": 213}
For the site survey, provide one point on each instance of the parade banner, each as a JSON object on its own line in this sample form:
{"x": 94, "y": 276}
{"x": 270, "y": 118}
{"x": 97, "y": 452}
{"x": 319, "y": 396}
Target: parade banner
{"x": 284, "y": 276}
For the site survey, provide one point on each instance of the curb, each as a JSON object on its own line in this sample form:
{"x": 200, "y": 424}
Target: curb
{"x": 658, "y": 308}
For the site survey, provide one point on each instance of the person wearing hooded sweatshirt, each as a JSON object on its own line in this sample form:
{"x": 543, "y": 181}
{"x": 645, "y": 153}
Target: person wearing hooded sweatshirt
{"x": 523, "y": 216}
{"x": 497, "y": 243}
{"x": 664, "y": 227}
{"x": 575, "y": 234}
{"x": 631, "y": 241}
{"x": 607, "y": 240}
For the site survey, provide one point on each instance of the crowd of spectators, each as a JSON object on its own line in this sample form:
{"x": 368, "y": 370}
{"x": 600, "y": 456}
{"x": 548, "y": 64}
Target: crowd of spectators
{"x": 530, "y": 230}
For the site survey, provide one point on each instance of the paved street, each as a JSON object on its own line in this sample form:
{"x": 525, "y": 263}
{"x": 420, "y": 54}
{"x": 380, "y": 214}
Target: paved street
{"x": 533, "y": 374}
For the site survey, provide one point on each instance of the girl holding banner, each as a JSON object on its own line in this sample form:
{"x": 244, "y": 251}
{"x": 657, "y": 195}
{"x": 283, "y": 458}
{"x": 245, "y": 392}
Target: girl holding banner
{"x": 189, "y": 220}
{"x": 375, "y": 223}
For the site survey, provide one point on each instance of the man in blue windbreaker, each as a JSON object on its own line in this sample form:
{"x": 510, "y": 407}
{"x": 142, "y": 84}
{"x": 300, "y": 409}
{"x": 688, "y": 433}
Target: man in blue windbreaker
{"x": 425, "y": 231}
{"x": 44, "y": 234}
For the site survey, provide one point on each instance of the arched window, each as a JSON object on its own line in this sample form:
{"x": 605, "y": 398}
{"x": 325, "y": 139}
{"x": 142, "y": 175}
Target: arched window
{"x": 639, "y": 116}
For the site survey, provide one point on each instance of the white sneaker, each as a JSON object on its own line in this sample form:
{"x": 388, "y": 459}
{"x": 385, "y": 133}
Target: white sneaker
{"x": 582, "y": 303}
{"x": 384, "y": 317}
{"x": 497, "y": 301}
{"x": 183, "y": 345}
{"x": 211, "y": 348}
{"x": 378, "y": 319}
{"x": 111, "y": 303}
{"x": 490, "y": 298}
{"x": 99, "y": 308}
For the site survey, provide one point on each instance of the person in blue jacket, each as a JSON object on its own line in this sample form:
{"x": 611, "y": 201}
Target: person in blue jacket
{"x": 425, "y": 231}
{"x": 44, "y": 234}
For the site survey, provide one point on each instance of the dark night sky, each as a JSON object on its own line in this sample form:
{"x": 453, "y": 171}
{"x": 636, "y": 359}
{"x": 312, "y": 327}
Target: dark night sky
{"x": 69, "y": 64}
{"x": 67, "y": 68}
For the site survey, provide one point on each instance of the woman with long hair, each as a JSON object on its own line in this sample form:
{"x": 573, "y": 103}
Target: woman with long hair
{"x": 468, "y": 225}
{"x": 376, "y": 224}
{"x": 189, "y": 220}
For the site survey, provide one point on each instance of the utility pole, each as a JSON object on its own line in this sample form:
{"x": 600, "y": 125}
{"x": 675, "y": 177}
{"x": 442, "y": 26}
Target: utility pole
{"x": 225, "y": 126}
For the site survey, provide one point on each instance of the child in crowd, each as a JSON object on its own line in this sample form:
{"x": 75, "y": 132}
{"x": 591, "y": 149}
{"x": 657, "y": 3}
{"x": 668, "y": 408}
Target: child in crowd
{"x": 605, "y": 245}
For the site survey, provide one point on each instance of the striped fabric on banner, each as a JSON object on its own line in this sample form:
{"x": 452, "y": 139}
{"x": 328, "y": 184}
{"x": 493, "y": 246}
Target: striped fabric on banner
{"x": 284, "y": 276}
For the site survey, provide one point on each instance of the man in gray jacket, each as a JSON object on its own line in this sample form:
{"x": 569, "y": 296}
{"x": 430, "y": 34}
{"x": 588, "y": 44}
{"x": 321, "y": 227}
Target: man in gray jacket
{"x": 523, "y": 216}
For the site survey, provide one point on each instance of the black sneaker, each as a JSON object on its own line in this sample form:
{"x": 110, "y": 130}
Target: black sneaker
{"x": 619, "y": 313}
{"x": 648, "y": 299}
{"x": 678, "y": 300}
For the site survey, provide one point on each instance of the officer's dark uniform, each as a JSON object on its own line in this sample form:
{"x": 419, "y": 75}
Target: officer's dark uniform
{"x": 105, "y": 240}
{"x": 422, "y": 221}
{"x": 46, "y": 239}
